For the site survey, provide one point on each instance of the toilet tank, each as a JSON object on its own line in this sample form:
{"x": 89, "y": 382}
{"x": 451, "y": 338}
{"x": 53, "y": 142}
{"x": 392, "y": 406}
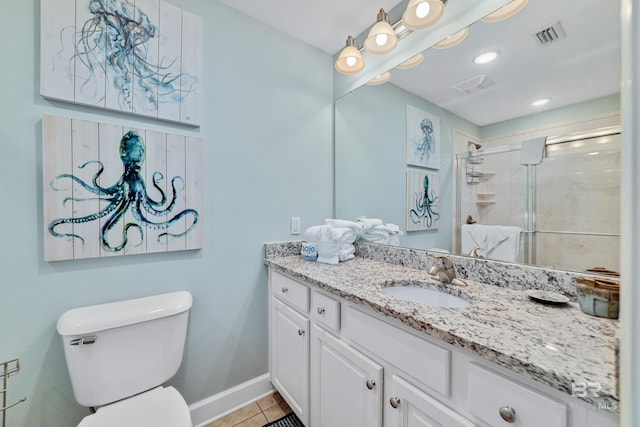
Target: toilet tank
{"x": 119, "y": 349}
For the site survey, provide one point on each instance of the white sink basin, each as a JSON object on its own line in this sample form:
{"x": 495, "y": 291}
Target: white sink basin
{"x": 426, "y": 296}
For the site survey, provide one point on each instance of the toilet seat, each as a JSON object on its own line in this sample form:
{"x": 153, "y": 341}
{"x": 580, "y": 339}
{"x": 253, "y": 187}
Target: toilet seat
{"x": 158, "y": 407}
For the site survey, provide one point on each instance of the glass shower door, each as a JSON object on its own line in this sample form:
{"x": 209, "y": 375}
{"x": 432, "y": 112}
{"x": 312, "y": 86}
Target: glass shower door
{"x": 576, "y": 216}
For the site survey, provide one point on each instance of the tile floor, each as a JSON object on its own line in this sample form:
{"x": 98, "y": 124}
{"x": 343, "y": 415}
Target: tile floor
{"x": 256, "y": 414}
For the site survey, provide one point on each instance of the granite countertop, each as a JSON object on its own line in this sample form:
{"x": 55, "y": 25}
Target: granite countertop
{"x": 554, "y": 345}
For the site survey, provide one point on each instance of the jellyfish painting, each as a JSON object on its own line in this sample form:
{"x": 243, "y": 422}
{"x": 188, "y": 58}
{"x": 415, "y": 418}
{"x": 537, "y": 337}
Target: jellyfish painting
{"x": 141, "y": 57}
{"x": 424, "y": 203}
{"x": 127, "y": 194}
{"x": 426, "y": 147}
{"x": 423, "y": 132}
{"x": 115, "y": 39}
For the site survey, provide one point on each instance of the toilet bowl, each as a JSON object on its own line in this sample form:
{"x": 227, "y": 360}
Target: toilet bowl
{"x": 120, "y": 354}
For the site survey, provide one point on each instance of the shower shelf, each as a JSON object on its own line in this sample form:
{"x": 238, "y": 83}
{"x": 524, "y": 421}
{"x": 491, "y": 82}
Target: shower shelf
{"x": 481, "y": 195}
{"x": 485, "y": 202}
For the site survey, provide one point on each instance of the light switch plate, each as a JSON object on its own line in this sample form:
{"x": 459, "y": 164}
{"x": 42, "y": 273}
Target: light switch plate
{"x": 295, "y": 225}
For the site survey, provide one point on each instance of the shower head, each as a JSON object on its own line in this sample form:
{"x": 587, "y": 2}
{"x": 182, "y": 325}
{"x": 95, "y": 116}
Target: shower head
{"x": 475, "y": 145}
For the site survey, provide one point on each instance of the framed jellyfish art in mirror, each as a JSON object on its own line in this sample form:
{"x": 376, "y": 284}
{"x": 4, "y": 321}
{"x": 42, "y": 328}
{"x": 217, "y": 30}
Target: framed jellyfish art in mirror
{"x": 114, "y": 190}
{"x": 423, "y": 201}
{"x": 423, "y": 138}
{"x": 141, "y": 57}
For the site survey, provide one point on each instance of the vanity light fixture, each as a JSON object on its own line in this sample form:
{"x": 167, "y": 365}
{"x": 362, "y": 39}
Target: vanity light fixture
{"x": 411, "y": 62}
{"x": 350, "y": 60}
{"x": 540, "y": 102}
{"x": 422, "y": 13}
{"x": 381, "y": 39}
{"x": 506, "y": 11}
{"x": 485, "y": 58}
{"x": 453, "y": 40}
{"x": 382, "y": 78}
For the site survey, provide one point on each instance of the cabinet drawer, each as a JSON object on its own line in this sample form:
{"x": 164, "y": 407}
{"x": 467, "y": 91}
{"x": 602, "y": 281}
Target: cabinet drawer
{"x": 287, "y": 289}
{"x": 491, "y": 393}
{"x": 425, "y": 362}
{"x": 325, "y": 310}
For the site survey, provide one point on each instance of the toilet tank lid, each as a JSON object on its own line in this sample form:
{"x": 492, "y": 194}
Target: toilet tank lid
{"x": 96, "y": 318}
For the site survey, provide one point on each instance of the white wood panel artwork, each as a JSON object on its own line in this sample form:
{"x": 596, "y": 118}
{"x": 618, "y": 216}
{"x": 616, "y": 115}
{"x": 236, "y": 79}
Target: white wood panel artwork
{"x": 138, "y": 56}
{"x": 112, "y": 190}
{"x": 423, "y": 138}
{"x": 423, "y": 201}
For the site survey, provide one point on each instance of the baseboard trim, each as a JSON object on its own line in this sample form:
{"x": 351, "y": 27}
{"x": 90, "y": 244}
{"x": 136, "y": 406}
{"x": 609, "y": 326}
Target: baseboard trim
{"x": 217, "y": 406}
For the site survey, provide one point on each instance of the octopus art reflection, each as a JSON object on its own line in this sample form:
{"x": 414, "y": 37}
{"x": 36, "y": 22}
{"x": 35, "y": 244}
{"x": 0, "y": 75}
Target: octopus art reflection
{"x": 129, "y": 193}
{"x": 425, "y": 148}
{"x": 120, "y": 31}
{"x": 424, "y": 206}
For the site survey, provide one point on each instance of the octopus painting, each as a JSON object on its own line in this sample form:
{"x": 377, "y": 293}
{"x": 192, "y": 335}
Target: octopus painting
{"x": 127, "y": 194}
{"x": 424, "y": 204}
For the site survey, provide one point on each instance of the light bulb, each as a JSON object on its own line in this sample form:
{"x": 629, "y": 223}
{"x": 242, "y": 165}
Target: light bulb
{"x": 381, "y": 39}
{"x": 423, "y": 9}
{"x": 486, "y": 57}
{"x": 539, "y": 102}
{"x": 351, "y": 61}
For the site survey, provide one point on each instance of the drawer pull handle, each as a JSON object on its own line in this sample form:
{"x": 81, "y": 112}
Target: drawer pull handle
{"x": 301, "y": 332}
{"x": 371, "y": 384}
{"x": 508, "y": 414}
{"x": 320, "y": 311}
{"x": 394, "y": 402}
{"x": 285, "y": 290}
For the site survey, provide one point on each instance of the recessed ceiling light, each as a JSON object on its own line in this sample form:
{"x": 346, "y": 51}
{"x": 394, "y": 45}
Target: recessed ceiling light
{"x": 411, "y": 62}
{"x": 485, "y": 58}
{"x": 382, "y": 78}
{"x": 506, "y": 11}
{"x": 539, "y": 102}
{"x": 453, "y": 39}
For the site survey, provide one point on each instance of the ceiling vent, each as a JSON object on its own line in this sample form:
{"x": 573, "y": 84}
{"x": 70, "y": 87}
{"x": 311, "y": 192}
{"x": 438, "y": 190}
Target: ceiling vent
{"x": 474, "y": 84}
{"x": 549, "y": 34}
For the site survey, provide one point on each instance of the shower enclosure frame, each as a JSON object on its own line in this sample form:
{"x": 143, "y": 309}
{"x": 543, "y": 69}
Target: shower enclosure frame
{"x": 530, "y": 229}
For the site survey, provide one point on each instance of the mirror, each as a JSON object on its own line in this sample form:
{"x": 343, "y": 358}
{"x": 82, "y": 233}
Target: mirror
{"x": 489, "y": 105}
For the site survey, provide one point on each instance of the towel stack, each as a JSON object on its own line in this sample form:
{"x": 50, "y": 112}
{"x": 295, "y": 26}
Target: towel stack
{"x": 376, "y": 231}
{"x": 334, "y": 240}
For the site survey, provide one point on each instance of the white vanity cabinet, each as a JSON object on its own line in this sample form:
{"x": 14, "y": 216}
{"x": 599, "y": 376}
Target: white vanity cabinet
{"x": 337, "y": 363}
{"x": 289, "y": 342}
{"x": 346, "y": 386}
{"x": 408, "y": 406}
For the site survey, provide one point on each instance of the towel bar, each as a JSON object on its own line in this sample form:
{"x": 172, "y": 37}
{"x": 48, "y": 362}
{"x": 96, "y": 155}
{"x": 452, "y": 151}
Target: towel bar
{"x": 8, "y": 369}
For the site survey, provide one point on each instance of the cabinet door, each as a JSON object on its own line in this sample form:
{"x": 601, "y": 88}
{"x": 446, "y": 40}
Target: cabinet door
{"x": 290, "y": 357}
{"x": 346, "y": 386}
{"x": 408, "y": 406}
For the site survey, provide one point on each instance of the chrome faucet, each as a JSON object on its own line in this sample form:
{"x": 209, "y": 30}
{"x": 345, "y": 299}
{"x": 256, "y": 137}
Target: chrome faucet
{"x": 474, "y": 252}
{"x": 446, "y": 272}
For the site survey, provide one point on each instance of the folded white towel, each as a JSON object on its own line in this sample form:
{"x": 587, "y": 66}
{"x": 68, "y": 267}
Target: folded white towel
{"x": 345, "y": 236}
{"x": 344, "y": 223}
{"x": 347, "y": 253}
{"x": 328, "y": 252}
{"x": 370, "y": 222}
{"x": 317, "y": 233}
{"x": 507, "y": 247}
{"x": 495, "y": 241}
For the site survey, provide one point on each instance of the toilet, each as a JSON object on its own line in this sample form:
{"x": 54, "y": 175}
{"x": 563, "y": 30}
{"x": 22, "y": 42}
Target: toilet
{"x": 118, "y": 356}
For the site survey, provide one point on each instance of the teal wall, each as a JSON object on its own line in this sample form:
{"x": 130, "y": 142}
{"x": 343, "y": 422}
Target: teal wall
{"x": 267, "y": 128}
{"x": 371, "y": 163}
{"x": 581, "y": 110}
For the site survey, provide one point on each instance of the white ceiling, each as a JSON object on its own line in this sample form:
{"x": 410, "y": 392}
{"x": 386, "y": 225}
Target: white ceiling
{"x": 583, "y": 66}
